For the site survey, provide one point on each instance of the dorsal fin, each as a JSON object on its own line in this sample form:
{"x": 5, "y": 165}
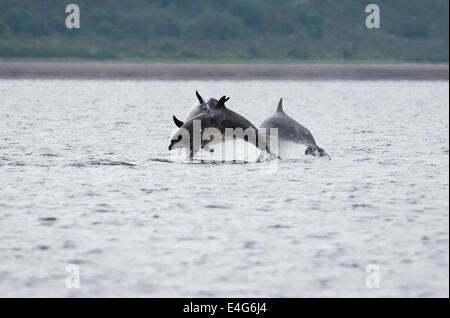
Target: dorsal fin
{"x": 200, "y": 99}
{"x": 177, "y": 122}
{"x": 221, "y": 102}
{"x": 280, "y": 106}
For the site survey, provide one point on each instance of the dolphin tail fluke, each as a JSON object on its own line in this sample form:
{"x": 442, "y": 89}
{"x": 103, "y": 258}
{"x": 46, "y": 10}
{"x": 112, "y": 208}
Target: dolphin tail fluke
{"x": 221, "y": 102}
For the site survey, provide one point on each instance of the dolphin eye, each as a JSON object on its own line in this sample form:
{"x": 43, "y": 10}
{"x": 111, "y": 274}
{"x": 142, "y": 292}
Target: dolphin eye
{"x": 179, "y": 138}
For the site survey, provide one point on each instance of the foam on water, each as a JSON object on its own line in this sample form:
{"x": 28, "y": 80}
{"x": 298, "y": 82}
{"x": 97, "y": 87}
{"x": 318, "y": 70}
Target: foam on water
{"x": 238, "y": 151}
{"x": 290, "y": 150}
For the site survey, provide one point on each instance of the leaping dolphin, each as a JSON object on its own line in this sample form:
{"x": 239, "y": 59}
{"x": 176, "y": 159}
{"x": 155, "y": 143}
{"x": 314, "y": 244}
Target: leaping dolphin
{"x": 220, "y": 119}
{"x": 199, "y": 107}
{"x": 290, "y": 130}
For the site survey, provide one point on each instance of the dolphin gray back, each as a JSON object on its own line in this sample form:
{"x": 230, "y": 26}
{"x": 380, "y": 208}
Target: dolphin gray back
{"x": 288, "y": 128}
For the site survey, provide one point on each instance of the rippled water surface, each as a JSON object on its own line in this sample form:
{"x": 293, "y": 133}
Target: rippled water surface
{"x": 87, "y": 179}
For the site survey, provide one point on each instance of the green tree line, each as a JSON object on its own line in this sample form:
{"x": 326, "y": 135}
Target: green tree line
{"x": 215, "y": 30}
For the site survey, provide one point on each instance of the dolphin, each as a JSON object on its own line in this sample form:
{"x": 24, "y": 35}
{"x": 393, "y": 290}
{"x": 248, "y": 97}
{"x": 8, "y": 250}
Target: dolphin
{"x": 197, "y": 108}
{"x": 290, "y": 130}
{"x": 214, "y": 122}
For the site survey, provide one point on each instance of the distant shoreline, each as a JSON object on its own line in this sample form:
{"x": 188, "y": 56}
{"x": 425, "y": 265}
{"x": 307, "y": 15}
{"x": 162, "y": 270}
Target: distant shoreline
{"x": 196, "y": 71}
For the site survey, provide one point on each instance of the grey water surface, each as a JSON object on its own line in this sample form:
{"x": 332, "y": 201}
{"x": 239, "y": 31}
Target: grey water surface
{"x": 86, "y": 179}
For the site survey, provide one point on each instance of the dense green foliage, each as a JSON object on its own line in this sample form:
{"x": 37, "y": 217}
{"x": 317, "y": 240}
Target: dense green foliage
{"x": 221, "y": 30}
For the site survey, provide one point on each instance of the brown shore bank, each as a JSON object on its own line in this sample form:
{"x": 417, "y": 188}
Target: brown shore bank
{"x": 187, "y": 71}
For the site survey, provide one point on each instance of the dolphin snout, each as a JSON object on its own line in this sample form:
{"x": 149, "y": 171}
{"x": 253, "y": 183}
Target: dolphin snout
{"x": 316, "y": 151}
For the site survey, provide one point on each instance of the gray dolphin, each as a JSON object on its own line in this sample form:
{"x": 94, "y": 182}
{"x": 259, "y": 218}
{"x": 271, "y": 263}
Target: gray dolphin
{"x": 219, "y": 118}
{"x": 197, "y": 108}
{"x": 290, "y": 130}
